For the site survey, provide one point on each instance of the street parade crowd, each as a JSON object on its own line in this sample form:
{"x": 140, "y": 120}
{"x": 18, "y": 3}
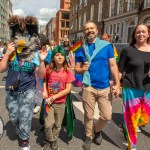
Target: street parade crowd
{"x": 40, "y": 74}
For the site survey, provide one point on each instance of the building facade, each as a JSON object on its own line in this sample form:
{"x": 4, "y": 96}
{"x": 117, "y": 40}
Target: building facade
{"x": 77, "y": 18}
{"x": 62, "y": 21}
{"x": 51, "y": 29}
{"x": 82, "y": 11}
{"x": 111, "y": 16}
{"x": 122, "y": 17}
{"x": 5, "y": 13}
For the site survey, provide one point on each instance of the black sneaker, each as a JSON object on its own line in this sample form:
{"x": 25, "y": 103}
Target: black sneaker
{"x": 55, "y": 145}
{"x": 97, "y": 138}
{"x": 87, "y": 144}
{"x": 47, "y": 146}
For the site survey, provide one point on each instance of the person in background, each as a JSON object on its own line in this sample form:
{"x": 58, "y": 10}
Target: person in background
{"x": 66, "y": 45}
{"x": 52, "y": 45}
{"x": 135, "y": 62}
{"x": 39, "y": 82}
{"x": 107, "y": 37}
{"x": 58, "y": 81}
{"x": 99, "y": 56}
{"x": 116, "y": 38}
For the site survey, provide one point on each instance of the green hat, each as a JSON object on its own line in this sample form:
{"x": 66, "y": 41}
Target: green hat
{"x": 58, "y": 49}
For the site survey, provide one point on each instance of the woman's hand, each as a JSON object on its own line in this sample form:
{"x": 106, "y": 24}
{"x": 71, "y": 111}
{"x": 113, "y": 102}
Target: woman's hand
{"x": 10, "y": 49}
{"x": 116, "y": 90}
{"x": 43, "y": 53}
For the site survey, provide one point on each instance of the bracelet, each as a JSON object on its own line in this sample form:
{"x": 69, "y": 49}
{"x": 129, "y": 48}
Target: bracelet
{"x": 52, "y": 99}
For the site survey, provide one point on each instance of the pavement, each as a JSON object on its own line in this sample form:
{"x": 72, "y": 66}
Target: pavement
{"x": 113, "y": 138}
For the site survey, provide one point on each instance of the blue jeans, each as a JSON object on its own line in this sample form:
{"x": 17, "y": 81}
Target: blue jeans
{"x": 20, "y": 106}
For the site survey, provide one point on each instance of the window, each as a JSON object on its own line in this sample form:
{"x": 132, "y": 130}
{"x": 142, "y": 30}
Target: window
{"x": 79, "y": 22}
{"x": 76, "y": 8}
{"x": 84, "y": 19}
{"x": 80, "y": 4}
{"x": 72, "y": 10}
{"x": 120, "y": 6}
{"x": 100, "y": 10}
{"x": 75, "y": 25}
{"x": 67, "y": 24}
{"x": 92, "y": 12}
{"x": 65, "y": 15}
{"x": 85, "y": 2}
{"x": 131, "y": 27}
{"x": 112, "y": 8}
{"x": 110, "y": 29}
{"x": 114, "y": 28}
{"x": 147, "y": 21}
{"x": 147, "y": 3}
{"x": 118, "y": 27}
{"x": 131, "y": 5}
{"x": 63, "y": 24}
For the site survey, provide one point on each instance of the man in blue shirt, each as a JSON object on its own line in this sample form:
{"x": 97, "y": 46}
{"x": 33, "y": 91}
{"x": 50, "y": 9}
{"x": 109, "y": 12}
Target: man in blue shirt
{"x": 95, "y": 65}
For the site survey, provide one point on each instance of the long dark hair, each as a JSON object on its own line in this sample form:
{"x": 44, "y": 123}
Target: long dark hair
{"x": 133, "y": 40}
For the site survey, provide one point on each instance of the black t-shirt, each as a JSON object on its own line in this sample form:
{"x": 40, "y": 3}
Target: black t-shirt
{"x": 136, "y": 64}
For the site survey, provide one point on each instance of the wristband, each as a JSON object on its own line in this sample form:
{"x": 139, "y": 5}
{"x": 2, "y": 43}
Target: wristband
{"x": 52, "y": 99}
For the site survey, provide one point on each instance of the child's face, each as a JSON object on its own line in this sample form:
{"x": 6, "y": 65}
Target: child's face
{"x": 59, "y": 58}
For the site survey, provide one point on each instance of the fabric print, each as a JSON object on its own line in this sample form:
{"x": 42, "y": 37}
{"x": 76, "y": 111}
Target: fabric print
{"x": 54, "y": 85}
{"x": 54, "y": 88}
{"x": 27, "y": 67}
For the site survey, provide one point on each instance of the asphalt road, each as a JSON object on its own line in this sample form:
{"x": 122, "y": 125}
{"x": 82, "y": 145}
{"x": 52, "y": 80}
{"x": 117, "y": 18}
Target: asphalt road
{"x": 113, "y": 138}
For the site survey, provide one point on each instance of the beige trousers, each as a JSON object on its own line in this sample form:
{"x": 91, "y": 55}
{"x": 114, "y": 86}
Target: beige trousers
{"x": 53, "y": 121}
{"x": 103, "y": 98}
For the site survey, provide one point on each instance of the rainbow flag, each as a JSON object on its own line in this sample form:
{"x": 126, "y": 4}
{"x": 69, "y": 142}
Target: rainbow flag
{"x": 77, "y": 47}
{"x": 79, "y": 53}
{"x": 115, "y": 54}
{"x": 13, "y": 56}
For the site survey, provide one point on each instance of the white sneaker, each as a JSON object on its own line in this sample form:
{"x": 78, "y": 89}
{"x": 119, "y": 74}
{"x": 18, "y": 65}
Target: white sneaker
{"x": 138, "y": 130}
{"x": 36, "y": 109}
{"x": 25, "y": 147}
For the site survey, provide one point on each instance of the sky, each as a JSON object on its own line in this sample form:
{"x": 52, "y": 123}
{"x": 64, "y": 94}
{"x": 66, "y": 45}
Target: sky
{"x": 43, "y": 10}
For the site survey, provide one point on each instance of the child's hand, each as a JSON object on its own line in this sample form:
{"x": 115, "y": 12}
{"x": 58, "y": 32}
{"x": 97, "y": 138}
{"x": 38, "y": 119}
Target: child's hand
{"x": 45, "y": 95}
{"x": 50, "y": 100}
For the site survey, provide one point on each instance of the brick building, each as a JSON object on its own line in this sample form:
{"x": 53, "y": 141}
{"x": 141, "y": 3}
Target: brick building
{"x": 62, "y": 21}
{"x": 123, "y": 16}
{"x": 58, "y": 26}
{"x": 80, "y": 12}
{"x": 111, "y": 16}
